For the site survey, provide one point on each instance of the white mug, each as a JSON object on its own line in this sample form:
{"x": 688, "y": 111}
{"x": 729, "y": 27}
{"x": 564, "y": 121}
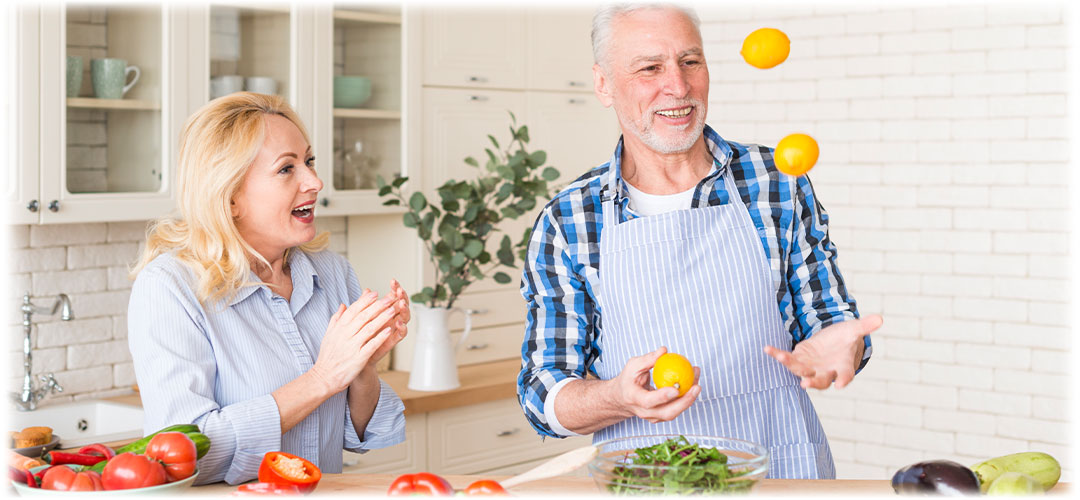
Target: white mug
{"x": 260, "y": 84}
{"x": 225, "y": 85}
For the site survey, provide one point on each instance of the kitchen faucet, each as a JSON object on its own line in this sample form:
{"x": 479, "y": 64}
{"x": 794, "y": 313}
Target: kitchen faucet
{"x": 28, "y": 398}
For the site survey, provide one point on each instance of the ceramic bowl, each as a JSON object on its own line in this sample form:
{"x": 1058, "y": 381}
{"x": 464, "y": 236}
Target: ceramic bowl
{"x": 615, "y": 472}
{"x": 351, "y": 91}
{"x": 172, "y": 488}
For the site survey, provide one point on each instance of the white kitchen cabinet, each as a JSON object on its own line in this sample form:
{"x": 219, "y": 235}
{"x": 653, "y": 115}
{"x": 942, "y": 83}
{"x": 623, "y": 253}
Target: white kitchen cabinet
{"x": 407, "y": 457}
{"x": 559, "y": 46}
{"x": 474, "y": 47}
{"x": 21, "y": 103}
{"x": 577, "y": 132}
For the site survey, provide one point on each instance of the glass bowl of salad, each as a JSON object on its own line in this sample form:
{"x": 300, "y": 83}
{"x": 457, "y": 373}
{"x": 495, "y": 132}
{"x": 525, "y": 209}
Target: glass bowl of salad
{"x": 666, "y": 464}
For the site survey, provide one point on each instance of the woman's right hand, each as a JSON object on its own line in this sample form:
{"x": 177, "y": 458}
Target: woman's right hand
{"x": 352, "y": 338}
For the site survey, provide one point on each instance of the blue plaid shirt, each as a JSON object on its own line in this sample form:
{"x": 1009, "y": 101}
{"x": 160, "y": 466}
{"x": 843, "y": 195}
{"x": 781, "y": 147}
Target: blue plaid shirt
{"x": 561, "y": 274}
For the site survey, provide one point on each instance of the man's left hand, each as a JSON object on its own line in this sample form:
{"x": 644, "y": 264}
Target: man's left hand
{"x": 831, "y": 354}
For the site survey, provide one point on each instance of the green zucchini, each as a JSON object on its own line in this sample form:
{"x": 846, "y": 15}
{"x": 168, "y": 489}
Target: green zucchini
{"x": 202, "y": 443}
{"x": 1040, "y": 466}
{"x": 1015, "y": 483}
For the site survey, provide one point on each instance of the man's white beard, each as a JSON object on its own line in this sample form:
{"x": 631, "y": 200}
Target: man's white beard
{"x": 678, "y": 144}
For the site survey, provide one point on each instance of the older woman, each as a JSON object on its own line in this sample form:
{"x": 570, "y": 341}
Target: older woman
{"x": 238, "y": 319}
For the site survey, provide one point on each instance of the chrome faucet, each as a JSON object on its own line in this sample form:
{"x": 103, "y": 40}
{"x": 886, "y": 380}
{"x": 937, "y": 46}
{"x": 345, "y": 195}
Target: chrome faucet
{"x": 28, "y": 398}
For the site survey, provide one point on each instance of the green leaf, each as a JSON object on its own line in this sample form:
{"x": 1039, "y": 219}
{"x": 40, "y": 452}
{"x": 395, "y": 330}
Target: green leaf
{"x": 455, "y": 240}
{"x": 463, "y": 190}
{"x": 493, "y": 161}
{"x": 511, "y": 212}
{"x": 473, "y": 248}
{"x": 394, "y": 201}
{"x": 417, "y": 201}
{"x": 442, "y": 250}
{"x": 458, "y": 260}
{"x": 517, "y": 159}
{"x": 493, "y": 141}
{"x": 523, "y": 133}
{"x": 475, "y": 272}
{"x": 484, "y": 258}
{"x": 471, "y": 212}
{"x": 538, "y": 158}
{"x": 410, "y": 219}
{"x": 379, "y": 182}
{"x": 385, "y": 190}
{"x": 398, "y": 181}
{"x": 451, "y": 205}
{"x": 502, "y": 278}
{"x": 505, "y": 172}
{"x": 525, "y": 205}
{"x": 505, "y": 254}
{"x": 440, "y": 292}
{"x": 472, "y": 161}
{"x": 426, "y": 224}
{"x": 456, "y": 284}
{"x": 512, "y": 117}
{"x": 550, "y": 174}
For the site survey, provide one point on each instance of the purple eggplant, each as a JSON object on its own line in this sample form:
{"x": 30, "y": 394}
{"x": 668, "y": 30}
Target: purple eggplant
{"x": 936, "y": 477}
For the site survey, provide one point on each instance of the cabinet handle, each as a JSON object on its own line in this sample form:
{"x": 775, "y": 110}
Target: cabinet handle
{"x": 54, "y": 206}
{"x": 576, "y": 101}
{"x": 32, "y": 206}
{"x": 510, "y": 432}
{"x": 476, "y": 347}
{"x": 325, "y": 202}
{"x": 476, "y": 311}
{"x": 477, "y": 79}
{"x": 478, "y": 98}
{"x": 573, "y": 83}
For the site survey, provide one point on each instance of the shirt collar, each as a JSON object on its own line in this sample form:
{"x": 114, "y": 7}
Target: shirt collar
{"x": 716, "y": 145}
{"x": 304, "y": 280}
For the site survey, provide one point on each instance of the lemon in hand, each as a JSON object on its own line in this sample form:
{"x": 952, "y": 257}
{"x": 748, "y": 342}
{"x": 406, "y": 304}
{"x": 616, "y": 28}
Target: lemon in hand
{"x": 765, "y": 48}
{"x": 673, "y": 370}
{"x": 796, "y": 154}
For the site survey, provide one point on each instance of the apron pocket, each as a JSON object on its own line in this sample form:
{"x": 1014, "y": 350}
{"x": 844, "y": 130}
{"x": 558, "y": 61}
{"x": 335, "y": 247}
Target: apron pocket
{"x": 801, "y": 461}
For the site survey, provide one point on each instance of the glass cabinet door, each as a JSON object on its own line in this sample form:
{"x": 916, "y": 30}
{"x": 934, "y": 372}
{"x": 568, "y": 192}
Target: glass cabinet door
{"x": 113, "y": 93}
{"x": 367, "y": 97}
{"x": 250, "y": 49}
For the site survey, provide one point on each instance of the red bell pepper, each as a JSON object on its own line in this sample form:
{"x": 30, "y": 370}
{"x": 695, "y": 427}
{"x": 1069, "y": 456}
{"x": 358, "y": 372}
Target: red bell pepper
{"x": 98, "y": 449}
{"x": 421, "y": 483}
{"x": 61, "y": 458}
{"x": 278, "y": 467}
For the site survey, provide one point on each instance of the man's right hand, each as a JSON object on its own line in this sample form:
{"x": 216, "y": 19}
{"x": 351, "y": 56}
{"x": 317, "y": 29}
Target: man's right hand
{"x": 632, "y": 393}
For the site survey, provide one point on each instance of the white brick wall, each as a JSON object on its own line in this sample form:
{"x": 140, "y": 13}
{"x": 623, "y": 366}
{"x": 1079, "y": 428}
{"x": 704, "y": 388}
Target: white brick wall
{"x": 89, "y": 262}
{"x": 944, "y": 167}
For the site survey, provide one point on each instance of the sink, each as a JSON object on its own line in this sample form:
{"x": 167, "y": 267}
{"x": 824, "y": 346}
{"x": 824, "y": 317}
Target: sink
{"x": 84, "y": 422}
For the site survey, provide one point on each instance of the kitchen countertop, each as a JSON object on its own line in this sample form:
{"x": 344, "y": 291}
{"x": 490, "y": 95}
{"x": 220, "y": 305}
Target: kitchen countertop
{"x": 377, "y": 484}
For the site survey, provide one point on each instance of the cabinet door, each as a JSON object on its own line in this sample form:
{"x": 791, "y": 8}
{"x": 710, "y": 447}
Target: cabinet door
{"x": 559, "y": 49}
{"x": 20, "y": 107}
{"x": 474, "y": 47}
{"x": 406, "y": 457}
{"x": 577, "y": 132}
{"x": 111, "y": 156}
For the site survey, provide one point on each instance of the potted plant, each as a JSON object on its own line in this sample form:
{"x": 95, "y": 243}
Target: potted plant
{"x": 456, "y": 230}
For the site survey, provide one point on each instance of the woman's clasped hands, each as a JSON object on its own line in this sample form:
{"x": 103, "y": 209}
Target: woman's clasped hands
{"x": 360, "y": 335}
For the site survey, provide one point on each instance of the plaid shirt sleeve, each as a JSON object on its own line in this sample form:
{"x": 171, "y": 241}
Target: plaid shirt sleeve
{"x": 560, "y": 322}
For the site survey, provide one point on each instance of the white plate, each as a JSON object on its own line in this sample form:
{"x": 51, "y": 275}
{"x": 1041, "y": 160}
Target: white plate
{"x": 167, "y": 488}
{"x": 37, "y": 451}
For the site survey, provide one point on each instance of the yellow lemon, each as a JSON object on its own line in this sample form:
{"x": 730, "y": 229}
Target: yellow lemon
{"x": 796, "y": 154}
{"x": 765, "y": 48}
{"x": 673, "y": 370}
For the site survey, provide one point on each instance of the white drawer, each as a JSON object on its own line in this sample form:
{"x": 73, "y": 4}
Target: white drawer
{"x": 500, "y": 307}
{"x": 486, "y": 436}
{"x": 511, "y": 470}
{"x": 401, "y": 458}
{"x": 490, "y": 344}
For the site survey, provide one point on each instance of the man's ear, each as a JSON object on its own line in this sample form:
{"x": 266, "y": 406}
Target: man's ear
{"x": 600, "y": 85}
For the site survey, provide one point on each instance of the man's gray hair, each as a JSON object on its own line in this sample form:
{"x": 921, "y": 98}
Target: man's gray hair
{"x": 606, "y": 14}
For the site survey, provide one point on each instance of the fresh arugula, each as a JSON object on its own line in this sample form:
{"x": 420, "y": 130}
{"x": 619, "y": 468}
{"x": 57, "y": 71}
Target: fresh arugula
{"x": 685, "y": 469}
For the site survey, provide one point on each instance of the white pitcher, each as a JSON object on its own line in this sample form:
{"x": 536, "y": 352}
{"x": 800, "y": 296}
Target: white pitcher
{"x": 434, "y": 367}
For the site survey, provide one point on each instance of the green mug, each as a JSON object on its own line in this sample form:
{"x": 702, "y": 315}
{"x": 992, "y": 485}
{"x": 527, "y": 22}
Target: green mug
{"x": 74, "y": 75}
{"x": 109, "y": 76}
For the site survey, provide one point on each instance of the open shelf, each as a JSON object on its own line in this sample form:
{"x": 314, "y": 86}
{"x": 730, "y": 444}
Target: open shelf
{"x": 371, "y": 114}
{"x": 95, "y": 103}
{"x": 366, "y": 17}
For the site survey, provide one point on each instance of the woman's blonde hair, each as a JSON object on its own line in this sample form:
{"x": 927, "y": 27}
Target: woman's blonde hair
{"x": 217, "y": 147}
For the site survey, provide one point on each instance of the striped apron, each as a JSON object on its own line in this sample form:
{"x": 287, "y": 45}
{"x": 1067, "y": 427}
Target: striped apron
{"x": 698, "y": 282}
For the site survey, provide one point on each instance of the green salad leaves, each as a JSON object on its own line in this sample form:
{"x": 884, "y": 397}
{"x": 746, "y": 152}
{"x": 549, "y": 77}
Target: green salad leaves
{"x": 680, "y": 468}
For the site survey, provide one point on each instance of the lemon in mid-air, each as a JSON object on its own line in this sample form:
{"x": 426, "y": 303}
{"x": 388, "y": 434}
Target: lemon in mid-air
{"x": 673, "y": 370}
{"x": 796, "y": 154}
{"x": 765, "y": 48}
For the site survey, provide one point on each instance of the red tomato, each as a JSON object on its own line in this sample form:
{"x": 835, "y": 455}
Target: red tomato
{"x": 58, "y": 478}
{"x": 176, "y": 451}
{"x": 278, "y": 467}
{"x": 87, "y": 481}
{"x": 268, "y": 489}
{"x": 421, "y": 483}
{"x": 128, "y": 470}
{"x": 486, "y": 487}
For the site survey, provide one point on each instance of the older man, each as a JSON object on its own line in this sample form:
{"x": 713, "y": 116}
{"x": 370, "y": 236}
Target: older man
{"x": 688, "y": 242}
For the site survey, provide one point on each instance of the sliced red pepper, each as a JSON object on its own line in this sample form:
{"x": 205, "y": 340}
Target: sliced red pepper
{"x": 40, "y": 474}
{"x": 421, "y": 483}
{"x": 278, "y": 467}
{"x": 98, "y": 449}
{"x": 61, "y": 458}
{"x": 22, "y": 476}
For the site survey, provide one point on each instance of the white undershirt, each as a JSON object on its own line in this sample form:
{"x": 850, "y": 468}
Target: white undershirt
{"x": 647, "y": 204}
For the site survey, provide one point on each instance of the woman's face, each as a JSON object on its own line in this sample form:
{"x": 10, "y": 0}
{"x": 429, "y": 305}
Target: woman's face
{"x": 275, "y": 206}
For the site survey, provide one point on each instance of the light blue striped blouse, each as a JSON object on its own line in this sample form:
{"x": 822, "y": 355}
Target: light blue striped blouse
{"x": 216, "y": 367}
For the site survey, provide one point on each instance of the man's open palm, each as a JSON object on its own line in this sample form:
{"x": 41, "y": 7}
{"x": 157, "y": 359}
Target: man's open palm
{"x": 831, "y": 354}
